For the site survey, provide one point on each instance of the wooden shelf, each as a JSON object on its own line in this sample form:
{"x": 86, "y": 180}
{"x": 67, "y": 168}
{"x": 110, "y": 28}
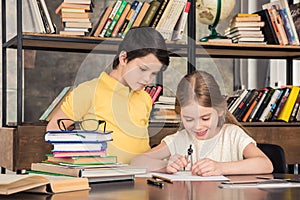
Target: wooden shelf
{"x": 56, "y": 42}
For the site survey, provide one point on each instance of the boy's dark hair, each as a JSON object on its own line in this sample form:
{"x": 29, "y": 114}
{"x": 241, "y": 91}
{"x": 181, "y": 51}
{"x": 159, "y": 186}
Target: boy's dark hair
{"x": 140, "y": 42}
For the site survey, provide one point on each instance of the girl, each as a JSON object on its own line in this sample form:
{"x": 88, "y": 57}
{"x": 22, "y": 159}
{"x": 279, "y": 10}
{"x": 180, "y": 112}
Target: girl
{"x": 220, "y": 145}
{"x": 118, "y": 97}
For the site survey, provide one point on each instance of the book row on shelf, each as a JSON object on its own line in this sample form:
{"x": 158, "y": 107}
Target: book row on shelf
{"x": 169, "y": 17}
{"x": 266, "y": 104}
{"x": 277, "y": 23}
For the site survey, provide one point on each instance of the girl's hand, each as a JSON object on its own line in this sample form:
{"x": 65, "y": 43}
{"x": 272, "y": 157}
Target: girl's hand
{"x": 207, "y": 167}
{"x": 176, "y": 163}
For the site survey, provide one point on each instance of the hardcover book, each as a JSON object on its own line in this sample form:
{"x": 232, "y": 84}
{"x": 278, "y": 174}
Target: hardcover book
{"x": 268, "y": 29}
{"x": 287, "y": 109}
{"x": 295, "y": 13}
{"x": 150, "y": 14}
{"x": 13, "y": 183}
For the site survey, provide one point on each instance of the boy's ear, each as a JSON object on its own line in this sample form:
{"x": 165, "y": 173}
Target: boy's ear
{"x": 123, "y": 57}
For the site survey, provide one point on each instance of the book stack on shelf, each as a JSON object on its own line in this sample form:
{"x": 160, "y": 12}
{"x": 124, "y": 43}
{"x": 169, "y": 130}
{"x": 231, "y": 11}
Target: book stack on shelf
{"x": 280, "y": 25}
{"x": 266, "y": 104}
{"x": 164, "y": 110}
{"x": 168, "y": 17}
{"x": 75, "y": 16}
{"x": 154, "y": 92}
{"x": 81, "y": 153}
{"x": 245, "y": 28}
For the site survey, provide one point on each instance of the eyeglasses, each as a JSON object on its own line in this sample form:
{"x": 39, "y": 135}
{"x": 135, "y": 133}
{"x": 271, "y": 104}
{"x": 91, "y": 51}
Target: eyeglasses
{"x": 87, "y": 124}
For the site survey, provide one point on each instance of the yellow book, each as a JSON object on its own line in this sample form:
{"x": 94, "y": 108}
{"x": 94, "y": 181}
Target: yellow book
{"x": 13, "y": 183}
{"x": 246, "y": 15}
{"x": 289, "y": 104}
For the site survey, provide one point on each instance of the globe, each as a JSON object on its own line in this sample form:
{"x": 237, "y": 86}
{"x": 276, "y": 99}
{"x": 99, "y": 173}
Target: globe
{"x": 211, "y": 11}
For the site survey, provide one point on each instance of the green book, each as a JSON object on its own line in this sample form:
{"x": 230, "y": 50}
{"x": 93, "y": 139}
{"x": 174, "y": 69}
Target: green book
{"x": 116, "y": 18}
{"x": 154, "y": 5}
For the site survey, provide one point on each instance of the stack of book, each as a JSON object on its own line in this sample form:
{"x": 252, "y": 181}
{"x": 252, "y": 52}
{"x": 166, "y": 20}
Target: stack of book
{"x": 164, "y": 110}
{"x": 266, "y": 104}
{"x": 75, "y": 15}
{"x": 169, "y": 17}
{"x": 82, "y": 153}
{"x": 245, "y": 28}
{"x": 154, "y": 91}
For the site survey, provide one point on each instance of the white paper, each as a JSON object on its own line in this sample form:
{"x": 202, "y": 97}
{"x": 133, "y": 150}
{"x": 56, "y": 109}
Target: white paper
{"x": 187, "y": 176}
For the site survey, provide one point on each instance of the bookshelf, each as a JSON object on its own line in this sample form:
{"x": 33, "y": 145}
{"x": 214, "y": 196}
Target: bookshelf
{"x": 262, "y": 132}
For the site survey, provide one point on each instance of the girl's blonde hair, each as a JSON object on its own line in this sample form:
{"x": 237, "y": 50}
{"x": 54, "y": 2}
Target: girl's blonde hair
{"x": 201, "y": 87}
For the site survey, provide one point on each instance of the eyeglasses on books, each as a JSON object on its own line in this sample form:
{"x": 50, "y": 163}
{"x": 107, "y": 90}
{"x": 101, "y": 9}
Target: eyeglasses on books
{"x": 86, "y": 125}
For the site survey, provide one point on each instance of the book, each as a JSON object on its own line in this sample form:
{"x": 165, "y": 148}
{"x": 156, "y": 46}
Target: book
{"x": 246, "y": 104}
{"x": 115, "y": 19}
{"x": 13, "y": 183}
{"x": 268, "y": 29}
{"x": 82, "y": 160}
{"x": 241, "y": 104}
{"x": 128, "y": 18}
{"x": 55, "y": 104}
{"x": 247, "y": 24}
{"x": 102, "y": 173}
{"x": 131, "y": 21}
{"x": 276, "y": 18}
{"x": 160, "y": 11}
{"x": 78, "y": 24}
{"x": 78, "y": 1}
{"x": 75, "y": 15}
{"x": 264, "y": 104}
{"x": 274, "y": 105}
{"x": 75, "y": 33}
{"x": 274, "y": 97}
{"x": 103, "y": 20}
{"x": 38, "y": 16}
{"x": 295, "y": 14}
{"x": 257, "y": 106}
{"x": 150, "y": 14}
{"x": 62, "y": 154}
{"x": 86, "y": 7}
{"x": 86, "y": 146}
{"x": 46, "y": 17}
{"x": 164, "y": 16}
{"x": 287, "y": 109}
{"x": 181, "y": 23}
{"x": 295, "y": 109}
{"x": 255, "y": 18}
{"x": 121, "y": 20}
{"x": 77, "y": 136}
{"x": 289, "y": 23}
{"x": 167, "y": 24}
{"x": 286, "y": 93}
{"x": 241, "y": 94}
{"x": 251, "y": 107}
{"x": 111, "y": 17}
{"x": 141, "y": 15}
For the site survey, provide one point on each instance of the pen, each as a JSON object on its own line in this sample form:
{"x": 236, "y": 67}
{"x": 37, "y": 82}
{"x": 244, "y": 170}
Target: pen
{"x": 155, "y": 182}
{"x": 162, "y": 178}
{"x": 189, "y": 155}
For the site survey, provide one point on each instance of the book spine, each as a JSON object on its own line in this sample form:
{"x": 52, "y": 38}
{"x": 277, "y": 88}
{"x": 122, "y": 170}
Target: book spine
{"x": 128, "y": 18}
{"x": 295, "y": 14}
{"x": 48, "y": 17}
{"x": 238, "y": 101}
{"x": 110, "y": 18}
{"x": 102, "y": 21}
{"x": 130, "y": 23}
{"x": 279, "y": 24}
{"x": 252, "y": 106}
{"x": 264, "y": 104}
{"x": 160, "y": 11}
{"x": 141, "y": 15}
{"x": 121, "y": 21}
{"x": 284, "y": 115}
{"x": 116, "y": 18}
{"x": 270, "y": 104}
{"x": 154, "y": 5}
{"x": 236, "y": 112}
{"x": 295, "y": 109}
{"x": 281, "y": 103}
{"x": 274, "y": 106}
{"x": 287, "y": 27}
{"x": 254, "y": 93}
{"x": 180, "y": 26}
{"x": 37, "y": 12}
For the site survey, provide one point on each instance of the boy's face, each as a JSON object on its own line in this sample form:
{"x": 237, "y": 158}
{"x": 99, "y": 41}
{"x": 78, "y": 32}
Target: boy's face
{"x": 200, "y": 121}
{"x": 140, "y": 72}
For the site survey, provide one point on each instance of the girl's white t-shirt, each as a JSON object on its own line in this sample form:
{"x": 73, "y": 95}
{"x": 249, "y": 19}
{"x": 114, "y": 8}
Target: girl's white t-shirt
{"x": 228, "y": 145}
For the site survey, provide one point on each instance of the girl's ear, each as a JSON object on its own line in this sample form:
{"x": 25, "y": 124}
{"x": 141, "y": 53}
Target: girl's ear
{"x": 123, "y": 57}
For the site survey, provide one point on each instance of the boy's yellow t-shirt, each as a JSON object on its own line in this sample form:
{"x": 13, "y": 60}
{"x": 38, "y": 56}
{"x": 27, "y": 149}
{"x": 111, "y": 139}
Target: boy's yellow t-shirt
{"x": 126, "y": 113}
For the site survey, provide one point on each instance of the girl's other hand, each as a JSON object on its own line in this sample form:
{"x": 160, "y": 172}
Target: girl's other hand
{"x": 207, "y": 167}
{"x": 176, "y": 163}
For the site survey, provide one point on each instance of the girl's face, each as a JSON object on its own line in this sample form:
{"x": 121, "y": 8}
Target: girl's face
{"x": 200, "y": 121}
{"x": 139, "y": 72}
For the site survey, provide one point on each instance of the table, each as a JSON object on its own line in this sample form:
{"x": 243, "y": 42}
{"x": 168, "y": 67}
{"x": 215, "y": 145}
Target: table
{"x": 140, "y": 190}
